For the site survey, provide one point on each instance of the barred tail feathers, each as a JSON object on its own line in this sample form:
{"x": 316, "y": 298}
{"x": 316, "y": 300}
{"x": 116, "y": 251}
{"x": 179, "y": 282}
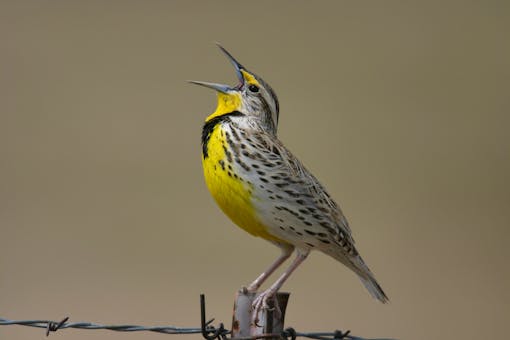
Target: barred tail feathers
{"x": 357, "y": 265}
{"x": 368, "y": 280}
{"x": 375, "y": 290}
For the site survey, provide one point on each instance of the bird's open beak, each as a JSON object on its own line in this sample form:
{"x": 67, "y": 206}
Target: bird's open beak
{"x": 234, "y": 62}
{"x": 220, "y": 87}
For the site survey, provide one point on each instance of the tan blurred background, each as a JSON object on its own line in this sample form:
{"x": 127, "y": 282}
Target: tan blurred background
{"x": 401, "y": 109}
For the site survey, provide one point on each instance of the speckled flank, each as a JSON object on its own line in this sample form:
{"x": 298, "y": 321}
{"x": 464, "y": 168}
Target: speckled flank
{"x": 255, "y": 175}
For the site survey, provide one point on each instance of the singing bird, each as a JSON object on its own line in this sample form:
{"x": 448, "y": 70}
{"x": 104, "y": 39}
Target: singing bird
{"x": 264, "y": 189}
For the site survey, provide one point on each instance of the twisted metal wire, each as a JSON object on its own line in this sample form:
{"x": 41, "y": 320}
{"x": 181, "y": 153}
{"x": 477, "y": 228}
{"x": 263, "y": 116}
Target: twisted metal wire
{"x": 52, "y": 326}
{"x": 208, "y": 331}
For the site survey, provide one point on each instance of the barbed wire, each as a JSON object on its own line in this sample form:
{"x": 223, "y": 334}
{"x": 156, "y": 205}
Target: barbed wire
{"x": 208, "y": 331}
{"x": 52, "y": 326}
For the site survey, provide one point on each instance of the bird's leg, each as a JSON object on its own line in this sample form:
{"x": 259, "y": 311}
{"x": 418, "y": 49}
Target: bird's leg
{"x": 287, "y": 250}
{"x": 261, "y": 301}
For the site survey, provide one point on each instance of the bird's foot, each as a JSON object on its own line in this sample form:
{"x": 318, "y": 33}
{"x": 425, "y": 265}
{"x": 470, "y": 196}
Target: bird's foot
{"x": 265, "y": 301}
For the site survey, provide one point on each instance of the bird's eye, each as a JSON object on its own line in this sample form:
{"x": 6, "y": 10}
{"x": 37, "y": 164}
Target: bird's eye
{"x": 253, "y": 88}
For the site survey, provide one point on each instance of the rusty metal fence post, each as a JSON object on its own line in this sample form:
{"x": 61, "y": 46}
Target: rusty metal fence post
{"x": 270, "y": 321}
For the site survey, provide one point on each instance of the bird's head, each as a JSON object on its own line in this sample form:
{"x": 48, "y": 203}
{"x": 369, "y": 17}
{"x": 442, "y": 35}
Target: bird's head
{"x": 252, "y": 97}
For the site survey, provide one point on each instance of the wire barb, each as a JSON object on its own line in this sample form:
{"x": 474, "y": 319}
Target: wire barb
{"x": 210, "y": 332}
{"x": 53, "y": 326}
{"x": 289, "y": 332}
{"x": 339, "y": 335}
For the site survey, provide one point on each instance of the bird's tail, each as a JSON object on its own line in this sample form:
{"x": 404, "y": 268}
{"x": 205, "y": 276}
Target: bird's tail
{"x": 368, "y": 280}
{"x": 373, "y": 287}
{"x": 358, "y": 266}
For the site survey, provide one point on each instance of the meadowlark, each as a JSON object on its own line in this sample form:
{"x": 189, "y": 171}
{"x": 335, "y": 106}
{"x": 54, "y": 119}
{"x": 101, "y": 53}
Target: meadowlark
{"x": 265, "y": 189}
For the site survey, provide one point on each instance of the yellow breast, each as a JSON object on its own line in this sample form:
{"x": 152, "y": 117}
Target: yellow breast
{"x": 232, "y": 193}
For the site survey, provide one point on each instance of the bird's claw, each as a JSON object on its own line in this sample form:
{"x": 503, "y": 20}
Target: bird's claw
{"x": 265, "y": 301}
